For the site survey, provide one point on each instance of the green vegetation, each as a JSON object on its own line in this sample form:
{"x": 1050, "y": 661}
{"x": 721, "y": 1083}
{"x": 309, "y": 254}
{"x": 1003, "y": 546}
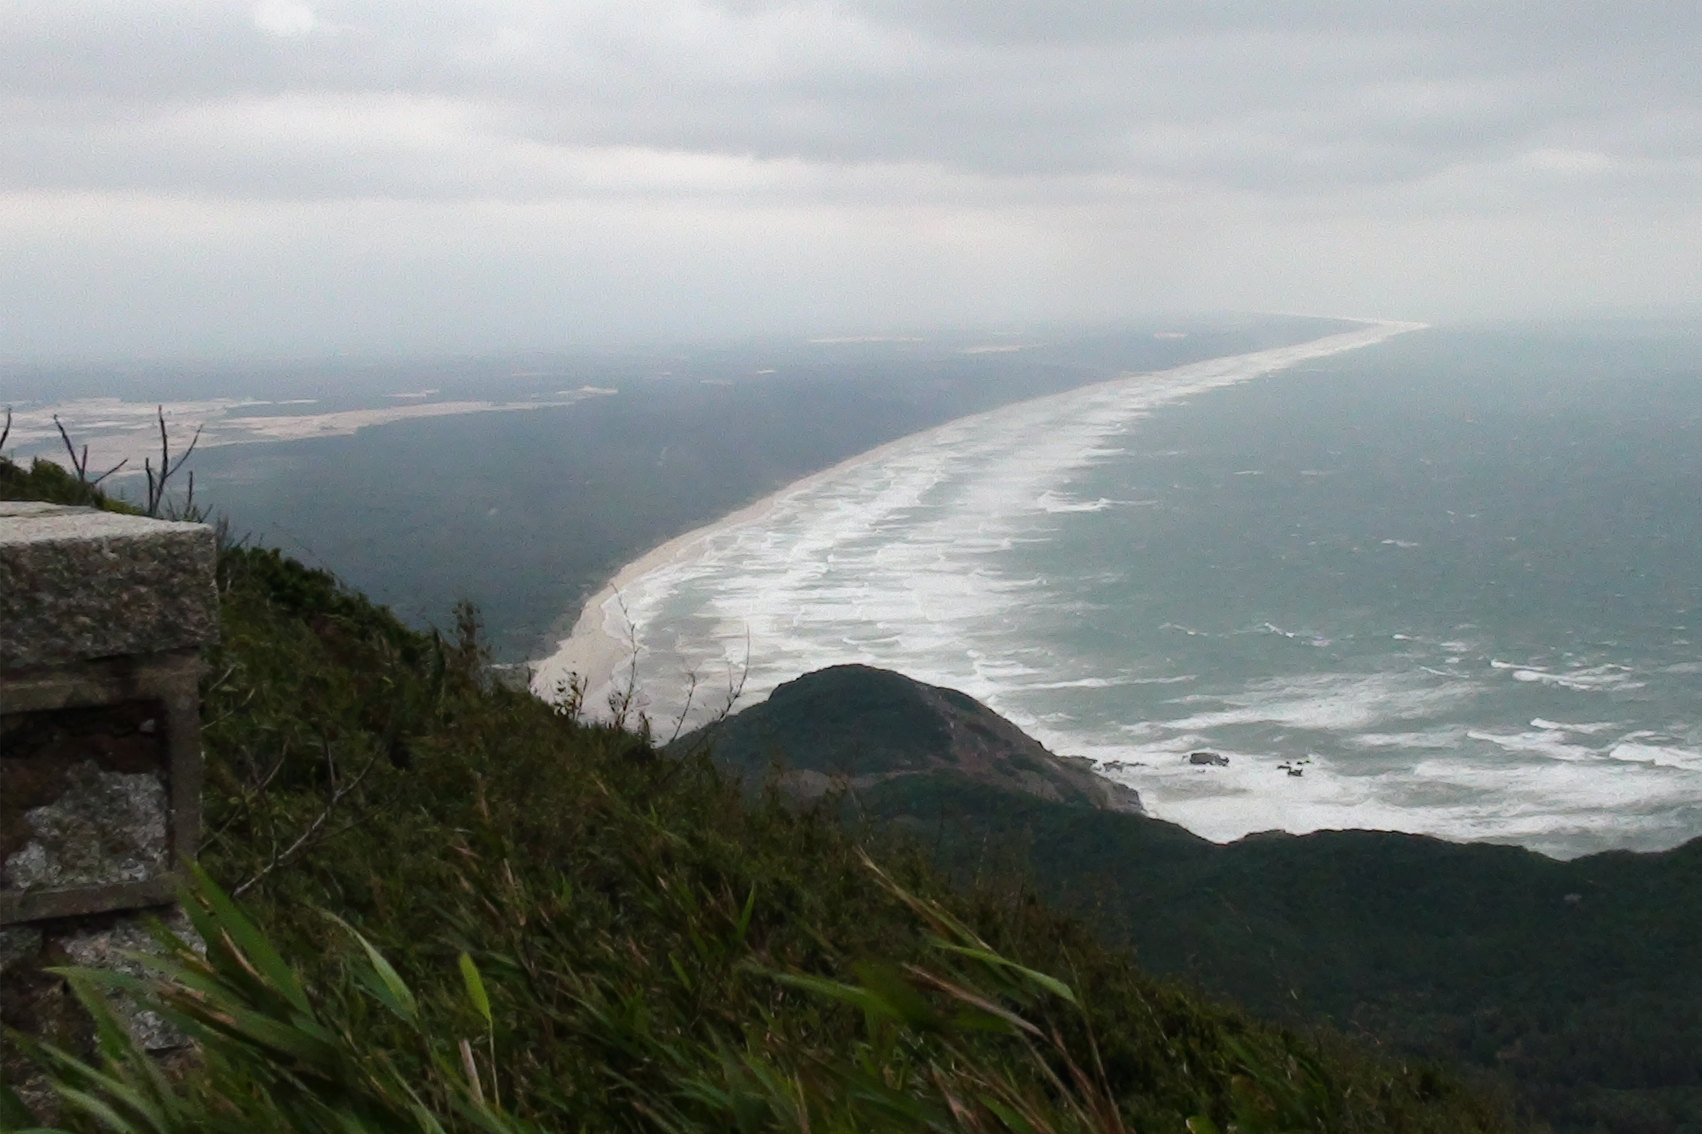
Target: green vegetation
{"x": 47, "y": 481}
{"x": 462, "y": 909}
{"x": 1578, "y": 983}
{"x": 855, "y": 726}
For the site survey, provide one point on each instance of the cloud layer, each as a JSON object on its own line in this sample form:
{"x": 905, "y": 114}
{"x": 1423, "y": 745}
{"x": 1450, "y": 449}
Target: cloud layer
{"x": 190, "y": 177}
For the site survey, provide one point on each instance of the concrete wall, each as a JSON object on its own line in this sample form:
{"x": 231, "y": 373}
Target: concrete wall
{"x": 102, "y": 620}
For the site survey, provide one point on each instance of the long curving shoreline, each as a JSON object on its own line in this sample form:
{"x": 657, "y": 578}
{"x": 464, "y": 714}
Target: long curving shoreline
{"x": 600, "y": 649}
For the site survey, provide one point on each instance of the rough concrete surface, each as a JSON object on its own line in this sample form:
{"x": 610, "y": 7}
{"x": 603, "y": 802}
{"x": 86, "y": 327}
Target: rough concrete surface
{"x": 78, "y": 584}
{"x": 105, "y": 827}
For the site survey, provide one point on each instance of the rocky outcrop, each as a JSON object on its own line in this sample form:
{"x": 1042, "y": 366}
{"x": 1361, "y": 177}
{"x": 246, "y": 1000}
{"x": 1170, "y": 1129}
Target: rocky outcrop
{"x": 859, "y": 726}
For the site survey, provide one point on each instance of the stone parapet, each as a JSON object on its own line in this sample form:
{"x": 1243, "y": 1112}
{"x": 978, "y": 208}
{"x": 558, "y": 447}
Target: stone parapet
{"x": 78, "y": 584}
{"x": 103, "y": 618}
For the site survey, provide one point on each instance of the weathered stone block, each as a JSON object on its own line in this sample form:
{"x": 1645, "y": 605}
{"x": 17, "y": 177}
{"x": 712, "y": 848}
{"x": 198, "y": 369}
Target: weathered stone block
{"x": 102, "y": 617}
{"x": 78, "y": 584}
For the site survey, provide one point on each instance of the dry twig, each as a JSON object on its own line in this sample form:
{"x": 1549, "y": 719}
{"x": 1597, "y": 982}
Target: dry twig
{"x": 157, "y": 482}
{"x": 81, "y": 464}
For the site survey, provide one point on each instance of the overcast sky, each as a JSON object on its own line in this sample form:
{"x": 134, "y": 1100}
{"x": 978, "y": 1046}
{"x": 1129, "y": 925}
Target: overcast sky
{"x": 302, "y": 176}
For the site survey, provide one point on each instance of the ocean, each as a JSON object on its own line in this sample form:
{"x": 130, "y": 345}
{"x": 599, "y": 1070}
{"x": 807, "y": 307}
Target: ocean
{"x": 1438, "y": 580}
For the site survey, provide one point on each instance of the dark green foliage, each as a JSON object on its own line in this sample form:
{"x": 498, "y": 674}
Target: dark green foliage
{"x": 604, "y": 938}
{"x": 47, "y": 481}
{"x": 538, "y": 923}
{"x": 1578, "y": 982}
{"x": 850, "y": 720}
{"x": 624, "y": 908}
{"x": 861, "y": 724}
{"x": 305, "y": 593}
{"x": 1471, "y": 954}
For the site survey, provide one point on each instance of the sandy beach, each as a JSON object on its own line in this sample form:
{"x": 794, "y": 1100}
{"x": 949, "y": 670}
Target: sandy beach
{"x": 599, "y": 649}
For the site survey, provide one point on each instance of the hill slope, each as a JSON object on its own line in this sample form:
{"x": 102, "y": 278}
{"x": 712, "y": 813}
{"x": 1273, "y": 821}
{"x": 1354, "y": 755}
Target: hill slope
{"x": 582, "y": 934}
{"x": 1581, "y": 981}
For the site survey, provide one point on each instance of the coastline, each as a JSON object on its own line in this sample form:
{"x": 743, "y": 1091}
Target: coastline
{"x": 598, "y": 647}
{"x": 598, "y": 650}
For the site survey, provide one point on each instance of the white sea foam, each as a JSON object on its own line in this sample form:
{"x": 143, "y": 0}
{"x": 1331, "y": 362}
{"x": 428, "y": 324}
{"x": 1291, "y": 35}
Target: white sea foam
{"x": 1330, "y": 702}
{"x": 1559, "y": 806}
{"x": 1087, "y": 683}
{"x": 1052, "y": 502}
{"x": 901, "y": 559}
{"x": 1592, "y": 728}
{"x": 1549, "y": 743}
{"x": 1659, "y": 755}
{"x": 1303, "y": 637}
{"x": 1547, "y": 790}
{"x": 1442, "y": 738}
{"x": 815, "y": 575}
{"x": 1587, "y": 679}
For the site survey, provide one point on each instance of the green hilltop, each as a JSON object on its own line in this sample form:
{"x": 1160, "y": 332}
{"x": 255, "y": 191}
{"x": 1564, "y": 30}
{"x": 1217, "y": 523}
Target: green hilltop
{"x": 857, "y": 727}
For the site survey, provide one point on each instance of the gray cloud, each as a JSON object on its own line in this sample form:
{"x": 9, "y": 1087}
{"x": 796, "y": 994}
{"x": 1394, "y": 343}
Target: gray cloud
{"x": 1077, "y": 126}
{"x": 1221, "y": 91}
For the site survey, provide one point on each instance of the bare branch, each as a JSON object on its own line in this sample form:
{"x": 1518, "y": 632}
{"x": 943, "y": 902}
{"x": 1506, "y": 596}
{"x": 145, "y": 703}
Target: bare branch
{"x": 244, "y": 807}
{"x": 96, "y": 482}
{"x": 168, "y": 467}
{"x": 621, "y": 701}
{"x": 80, "y": 464}
{"x": 312, "y": 835}
{"x": 194, "y": 440}
{"x": 7, "y": 431}
{"x": 569, "y": 696}
{"x": 736, "y": 689}
{"x": 736, "y": 678}
{"x": 685, "y": 709}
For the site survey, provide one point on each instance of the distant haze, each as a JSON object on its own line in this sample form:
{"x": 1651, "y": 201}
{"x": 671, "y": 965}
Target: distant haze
{"x": 194, "y": 179}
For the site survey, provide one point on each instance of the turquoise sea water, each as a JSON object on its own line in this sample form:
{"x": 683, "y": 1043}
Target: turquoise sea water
{"x": 1448, "y": 583}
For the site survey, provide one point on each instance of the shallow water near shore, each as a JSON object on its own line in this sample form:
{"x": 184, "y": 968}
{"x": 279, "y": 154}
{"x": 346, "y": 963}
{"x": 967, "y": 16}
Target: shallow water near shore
{"x": 1450, "y": 583}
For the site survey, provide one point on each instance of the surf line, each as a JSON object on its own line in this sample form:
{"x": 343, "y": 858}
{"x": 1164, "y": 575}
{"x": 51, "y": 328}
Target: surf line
{"x": 600, "y": 649}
